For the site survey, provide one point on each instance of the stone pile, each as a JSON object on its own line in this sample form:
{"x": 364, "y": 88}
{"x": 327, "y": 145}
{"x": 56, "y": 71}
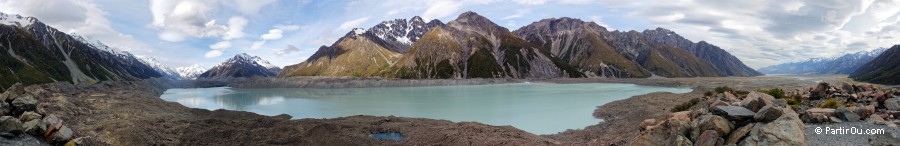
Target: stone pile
{"x": 726, "y": 119}
{"x": 19, "y": 115}
{"x": 856, "y": 103}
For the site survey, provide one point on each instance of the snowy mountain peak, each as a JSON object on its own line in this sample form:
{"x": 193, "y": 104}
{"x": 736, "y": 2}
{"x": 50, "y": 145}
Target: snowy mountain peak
{"x": 245, "y": 58}
{"x": 17, "y": 20}
{"x": 191, "y": 72}
{"x": 166, "y": 71}
{"x": 400, "y": 33}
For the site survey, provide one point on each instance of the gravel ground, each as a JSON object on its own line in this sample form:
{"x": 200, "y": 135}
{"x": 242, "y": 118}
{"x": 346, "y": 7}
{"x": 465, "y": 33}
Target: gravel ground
{"x": 814, "y": 139}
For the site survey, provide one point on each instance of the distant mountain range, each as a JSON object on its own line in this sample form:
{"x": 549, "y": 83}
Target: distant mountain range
{"x": 32, "y": 52}
{"x": 845, "y": 64}
{"x": 191, "y": 72}
{"x": 242, "y": 65}
{"x": 884, "y": 69}
{"x": 472, "y": 46}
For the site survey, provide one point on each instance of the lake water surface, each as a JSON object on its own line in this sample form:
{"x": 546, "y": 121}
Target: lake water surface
{"x": 540, "y": 108}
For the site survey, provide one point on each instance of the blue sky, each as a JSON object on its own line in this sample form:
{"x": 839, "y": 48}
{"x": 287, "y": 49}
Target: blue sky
{"x": 184, "y": 32}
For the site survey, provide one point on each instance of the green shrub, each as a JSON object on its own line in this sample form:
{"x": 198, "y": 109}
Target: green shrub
{"x": 686, "y": 106}
{"x": 831, "y": 103}
{"x": 775, "y": 92}
{"x": 794, "y": 101}
{"x": 724, "y": 89}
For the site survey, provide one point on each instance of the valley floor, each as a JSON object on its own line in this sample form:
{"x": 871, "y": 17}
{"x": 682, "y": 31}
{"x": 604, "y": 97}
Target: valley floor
{"x": 131, "y": 113}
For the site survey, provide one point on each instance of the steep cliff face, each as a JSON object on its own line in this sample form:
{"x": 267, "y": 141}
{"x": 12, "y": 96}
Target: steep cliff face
{"x": 32, "y": 52}
{"x": 723, "y": 61}
{"x": 582, "y": 45}
{"x": 884, "y": 69}
{"x": 242, "y": 65}
{"x": 472, "y": 46}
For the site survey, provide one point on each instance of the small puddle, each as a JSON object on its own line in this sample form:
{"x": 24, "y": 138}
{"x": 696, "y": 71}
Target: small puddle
{"x": 392, "y": 136}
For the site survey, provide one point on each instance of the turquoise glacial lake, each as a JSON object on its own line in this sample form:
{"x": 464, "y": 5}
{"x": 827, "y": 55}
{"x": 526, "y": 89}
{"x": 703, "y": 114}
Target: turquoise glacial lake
{"x": 540, "y": 108}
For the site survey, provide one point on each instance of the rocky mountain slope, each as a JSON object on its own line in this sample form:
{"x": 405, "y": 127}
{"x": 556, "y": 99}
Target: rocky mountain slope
{"x": 242, "y": 65}
{"x": 165, "y": 71}
{"x": 191, "y": 72}
{"x": 884, "y": 69}
{"x": 845, "y": 64}
{"x": 32, "y": 52}
{"x": 472, "y": 46}
{"x": 364, "y": 53}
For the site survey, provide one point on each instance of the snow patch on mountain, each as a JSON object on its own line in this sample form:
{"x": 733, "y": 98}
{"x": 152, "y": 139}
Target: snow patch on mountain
{"x": 166, "y": 71}
{"x": 16, "y": 20}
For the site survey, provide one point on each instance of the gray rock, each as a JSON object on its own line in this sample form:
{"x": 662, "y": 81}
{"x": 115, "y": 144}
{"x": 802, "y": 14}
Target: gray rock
{"x": 780, "y": 102}
{"x": 735, "y": 113}
{"x": 846, "y": 115}
{"x": 768, "y": 114}
{"x": 64, "y": 134}
{"x": 28, "y": 116}
{"x": 711, "y": 122}
{"x": 756, "y": 100}
{"x": 818, "y": 115}
{"x": 10, "y": 124}
{"x": 23, "y": 104}
{"x": 51, "y": 120}
{"x": 682, "y": 141}
{"x": 708, "y": 138}
{"x": 786, "y": 130}
{"x": 739, "y": 133}
{"x": 35, "y": 127}
{"x": 5, "y": 108}
{"x": 892, "y": 104}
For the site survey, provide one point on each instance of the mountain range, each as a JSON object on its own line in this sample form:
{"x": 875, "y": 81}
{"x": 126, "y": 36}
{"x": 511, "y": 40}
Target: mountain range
{"x": 242, "y": 65}
{"x": 34, "y": 53}
{"x": 845, "y": 64}
{"x": 472, "y": 46}
{"x": 884, "y": 69}
{"x": 191, "y": 72}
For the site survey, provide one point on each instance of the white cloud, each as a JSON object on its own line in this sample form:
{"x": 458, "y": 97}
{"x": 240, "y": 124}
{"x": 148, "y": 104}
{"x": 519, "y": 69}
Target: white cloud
{"x": 235, "y": 28}
{"x": 274, "y": 34}
{"x": 257, "y": 45}
{"x": 599, "y": 21}
{"x": 213, "y": 53}
{"x": 346, "y": 26}
{"x": 290, "y": 49}
{"x": 220, "y": 45}
{"x": 188, "y": 18}
{"x": 576, "y": 1}
{"x": 441, "y": 9}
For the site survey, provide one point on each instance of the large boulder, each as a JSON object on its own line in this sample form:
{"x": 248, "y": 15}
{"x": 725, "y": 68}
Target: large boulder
{"x": 730, "y": 97}
{"x": 846, "y": 115}
{"x": 708, "y": 138}
{"x": 738, "y": 134}
{"x": 35, "y": 127}
{"x": 786, "y": 130}
{"x": 680, "y": 140}
{"x": 10, "y": 124}
{"x": 818, "y": 115}
{"x": 768, "y": 114}
{"x": 665, "y": 133}
{"x": 734, "y": 113}
{"x": 821, "y": 91}
{"x": 710, "y": 122}
{"x": 756, "y": 100}
{"x": 62, "y": 135}
{"x": 892, "y": 104}
{"x": 28, "y": 116}
{"x": 865, "y": 111}
{"x": 24, "y": 104}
